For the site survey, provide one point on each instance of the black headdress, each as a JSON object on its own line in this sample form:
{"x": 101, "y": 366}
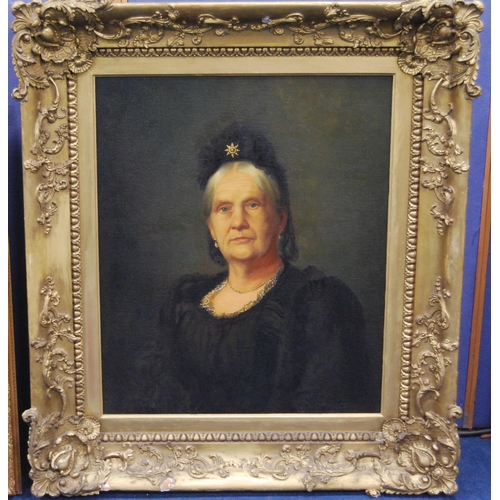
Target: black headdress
{"x": 240, "y": 143}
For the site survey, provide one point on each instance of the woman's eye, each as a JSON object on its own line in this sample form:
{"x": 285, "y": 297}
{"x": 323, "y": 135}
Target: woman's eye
{"x": 224, "y": 209}
{"x": 253, "y": 204}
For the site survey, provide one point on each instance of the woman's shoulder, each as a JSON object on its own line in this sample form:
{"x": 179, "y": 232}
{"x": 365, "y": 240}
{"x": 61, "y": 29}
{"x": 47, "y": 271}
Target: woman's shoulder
{"x": 313, "y": 289}
{"x": 314, "y": 281}
{"x": 192, "y": 286}
{"x": 186, "y": 293}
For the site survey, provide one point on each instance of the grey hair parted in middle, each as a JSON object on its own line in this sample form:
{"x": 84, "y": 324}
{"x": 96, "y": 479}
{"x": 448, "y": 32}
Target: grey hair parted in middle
{"x": 243, "y": 149}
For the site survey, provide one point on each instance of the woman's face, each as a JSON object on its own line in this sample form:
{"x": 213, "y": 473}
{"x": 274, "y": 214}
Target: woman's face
{"x": 244, "y": 222}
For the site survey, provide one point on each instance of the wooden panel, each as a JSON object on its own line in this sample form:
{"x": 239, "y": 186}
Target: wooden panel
{"x": 15, "y": 486}
{"x": 479, "y": 290}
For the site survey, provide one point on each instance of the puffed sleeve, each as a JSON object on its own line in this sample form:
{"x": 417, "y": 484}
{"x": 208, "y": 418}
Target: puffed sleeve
{"x": 175, "y": 377}
{"x": 151, "y": 366}
{"x": 161, "y": 373}
{"x": 331, "y": 349}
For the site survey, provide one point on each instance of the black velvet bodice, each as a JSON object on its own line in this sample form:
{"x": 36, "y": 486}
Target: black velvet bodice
{"x": 298, "y": 350}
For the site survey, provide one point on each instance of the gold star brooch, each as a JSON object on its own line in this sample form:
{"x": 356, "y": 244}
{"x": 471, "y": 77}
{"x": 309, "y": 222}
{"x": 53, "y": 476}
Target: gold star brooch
{"x": 232, "y": 150}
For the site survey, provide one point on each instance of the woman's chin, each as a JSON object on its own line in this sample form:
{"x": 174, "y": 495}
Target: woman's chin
{"x": 241, "y": 257}
{"x": 243, "y": 253}
{"x": 252, "y": 258}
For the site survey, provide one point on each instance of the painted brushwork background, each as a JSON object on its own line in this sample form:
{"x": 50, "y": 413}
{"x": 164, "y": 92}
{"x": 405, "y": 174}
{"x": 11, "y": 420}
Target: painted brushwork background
{"x": 332, "y": 134}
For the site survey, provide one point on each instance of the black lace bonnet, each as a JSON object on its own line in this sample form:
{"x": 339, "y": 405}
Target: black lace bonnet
{"x": 241, "y": 143}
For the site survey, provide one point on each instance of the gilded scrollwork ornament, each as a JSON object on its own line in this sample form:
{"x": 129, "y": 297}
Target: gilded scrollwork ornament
{"x": 421, "y": 455}
{"x": 422, "y": 452}
{"x": 428, "y": 372}
{"x": 153, "y": 29}
{"x": 47, "y": 48}
{"x": 160, "y": 463}
{"x": 63, "y": 450}
{"x": 313, "y": 468}
{"x": 435, "y": 41}
{"x": 46, "y": 43}
{"x": 347, "y": 25}
{"x": 446, "y": 45}
{"x": 54, "y": 174}
{"x": 64, "y": 455}
{"x": 58, "y": 366}
{"x": 441, "y": 143}
{"x": 58, "y": 38}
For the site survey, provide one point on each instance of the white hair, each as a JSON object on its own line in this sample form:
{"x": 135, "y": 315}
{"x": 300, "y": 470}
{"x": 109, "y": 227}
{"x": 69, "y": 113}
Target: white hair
{"x": 265, "y": 182}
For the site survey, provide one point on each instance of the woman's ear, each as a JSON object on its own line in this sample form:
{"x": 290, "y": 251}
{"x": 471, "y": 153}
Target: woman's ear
{"x": 211, "y": 229}
{"x": 283, "y": 220}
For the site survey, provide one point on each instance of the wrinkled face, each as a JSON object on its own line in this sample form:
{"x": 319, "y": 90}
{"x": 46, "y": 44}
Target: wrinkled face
{"x": 244, "y": 221}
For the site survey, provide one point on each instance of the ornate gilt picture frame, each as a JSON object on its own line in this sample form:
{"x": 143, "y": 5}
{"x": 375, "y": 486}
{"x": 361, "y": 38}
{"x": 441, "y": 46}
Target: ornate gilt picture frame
{"x": 71, "y": 55}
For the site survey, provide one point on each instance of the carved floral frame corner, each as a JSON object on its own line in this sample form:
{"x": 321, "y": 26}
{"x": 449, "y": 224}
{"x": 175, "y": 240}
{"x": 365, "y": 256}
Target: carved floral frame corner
{"x": 434, "y": 41}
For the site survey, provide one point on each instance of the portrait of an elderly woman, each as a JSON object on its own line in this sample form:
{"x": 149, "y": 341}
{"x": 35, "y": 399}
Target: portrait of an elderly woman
{"x": 260, "y": 336}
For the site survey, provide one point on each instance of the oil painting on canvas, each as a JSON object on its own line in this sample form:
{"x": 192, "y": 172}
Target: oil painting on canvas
{"x": 275, "y": 306}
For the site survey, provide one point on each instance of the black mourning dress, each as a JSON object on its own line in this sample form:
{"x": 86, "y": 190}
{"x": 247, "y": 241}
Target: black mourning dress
{"x": 300, "y": 349}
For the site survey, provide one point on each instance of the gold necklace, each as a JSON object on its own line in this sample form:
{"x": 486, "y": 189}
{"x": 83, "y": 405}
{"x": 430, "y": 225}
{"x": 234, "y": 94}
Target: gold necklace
{"x": 255, "y": 287}
{"x": 207, "y": 305}
{"x": 248, "y": 290}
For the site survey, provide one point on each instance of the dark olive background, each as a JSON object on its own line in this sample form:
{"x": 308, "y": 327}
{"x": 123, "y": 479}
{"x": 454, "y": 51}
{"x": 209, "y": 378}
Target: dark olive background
{"x": 332, "y": 133}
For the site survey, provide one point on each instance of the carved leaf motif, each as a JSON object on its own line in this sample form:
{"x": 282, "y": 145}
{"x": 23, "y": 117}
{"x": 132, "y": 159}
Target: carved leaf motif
{"x": 26, "y": 15}
{"x": 44, "y": 483}
{"x": 433, "y": 362}
{"x": 57, "y": 55}
{"x": 322, "y": 467}
{"x": 46, "y": 45}
{"x": 446, "y": 345}
{"x": 427, "y": 463}
{"x": 63, "y": 460}
{"x": 450, "y": 33}
{"x": 442, "y": 145}
{"x": 425, "y": 6}
{"x": 75, "y": 7}
{"x": 157, "y": 466}
{"x": 58, "y": 367}
{"x": 28, "y": 72}
{"x": 39, "y": 343}
{"x": 345, "y": 23}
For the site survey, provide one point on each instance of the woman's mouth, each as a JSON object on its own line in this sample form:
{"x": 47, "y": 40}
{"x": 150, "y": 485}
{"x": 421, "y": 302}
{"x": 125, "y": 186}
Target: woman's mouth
{"x": 241, "y": 239}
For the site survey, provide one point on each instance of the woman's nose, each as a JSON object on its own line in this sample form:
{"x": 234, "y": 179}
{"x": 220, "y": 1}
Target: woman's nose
{"x": 239, "y": 219}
